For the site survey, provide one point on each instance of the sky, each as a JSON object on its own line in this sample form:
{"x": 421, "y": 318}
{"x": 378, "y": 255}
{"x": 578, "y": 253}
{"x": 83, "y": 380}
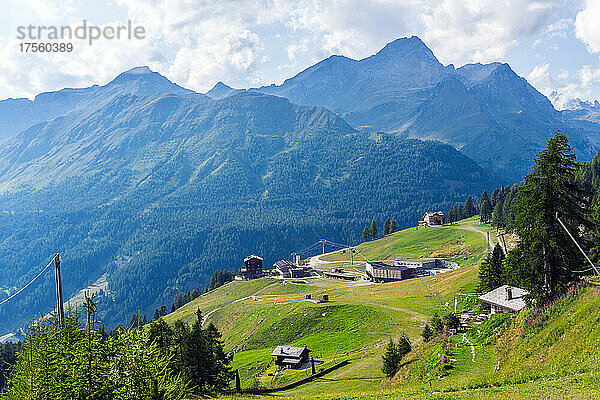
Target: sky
{"x": 554, "y": 44}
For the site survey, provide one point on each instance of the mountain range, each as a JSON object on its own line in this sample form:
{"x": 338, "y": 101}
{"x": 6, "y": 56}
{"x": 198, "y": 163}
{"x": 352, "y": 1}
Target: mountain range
{"x": 155, "y": 186}
{"x": 485, "y": 110}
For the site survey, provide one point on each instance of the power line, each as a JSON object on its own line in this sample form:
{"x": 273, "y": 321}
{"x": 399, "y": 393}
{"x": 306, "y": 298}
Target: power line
{"x": 579, "y": 247}
{"x": 29, "y": 283}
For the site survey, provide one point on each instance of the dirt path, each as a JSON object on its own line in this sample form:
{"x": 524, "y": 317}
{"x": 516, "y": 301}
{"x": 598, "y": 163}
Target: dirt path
{"x": 482, "y": 231}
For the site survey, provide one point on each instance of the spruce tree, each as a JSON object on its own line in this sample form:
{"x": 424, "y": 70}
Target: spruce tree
{"x": 469, "y": 209}
{"x": 545, "y": 257}
{"x": 491, "y": 271}
{"x": 494, "y": 197}
{"x": 436, "y": 323}
{"x": 366, "y": 235}
{"x": 485, "y": 208}
{"x": 427, "y": 333}
{"x": 451, "y": 215}
{"x": 402, "y": 348}
{"x": 460, "y": 212}
{"x": 497, "y": 217}
{"x": 393, "y": 227}
{"x": 390, "y": 359}
{"x": 386, "y": 227}
{"x": 373, "y": 231}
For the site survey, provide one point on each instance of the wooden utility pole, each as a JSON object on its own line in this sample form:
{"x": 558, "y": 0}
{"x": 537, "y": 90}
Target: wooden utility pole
{"x": 59, "y": 296}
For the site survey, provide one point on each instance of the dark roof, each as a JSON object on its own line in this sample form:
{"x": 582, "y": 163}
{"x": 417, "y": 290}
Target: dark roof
{"x": 498, "y": 296}
{"x": 382, "y": 265}
{"x": 284, "y": 264}
{"x": 288, "y": 351}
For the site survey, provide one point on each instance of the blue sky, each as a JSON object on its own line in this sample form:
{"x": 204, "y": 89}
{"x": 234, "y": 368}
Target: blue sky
{"x": 195, "y": 43}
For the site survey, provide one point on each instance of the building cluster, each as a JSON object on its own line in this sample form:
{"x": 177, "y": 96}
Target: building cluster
{"x": 253, "y": 269}
{"x": 432, "y": 218}
{"x": 287, "y": 269}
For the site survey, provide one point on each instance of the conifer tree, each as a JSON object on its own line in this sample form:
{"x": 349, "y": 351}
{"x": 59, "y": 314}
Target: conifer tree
{"x": 494, "y": 197}
{"x": 386, "y": 227}
{"x": 485, "y": 208}
{"x": 491, "y": 271}
{"x": 469, "y": 209}
{"x": 391, "y": 359}
{"x": 373, "y": 231}
{"x": 436, "y": 323}
{"x": 545, "y": 257}
{"x": 366, "y": 234}
{"x": 427, "y": 333}
{"x": 403, "y": 348}
{"x": 393, "y": 226}
{"x": 497, "y": 217}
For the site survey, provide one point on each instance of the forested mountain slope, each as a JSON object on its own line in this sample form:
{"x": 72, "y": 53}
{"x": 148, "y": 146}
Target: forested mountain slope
{"x": 159, "y": 191}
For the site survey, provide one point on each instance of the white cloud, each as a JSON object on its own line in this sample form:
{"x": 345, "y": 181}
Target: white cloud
{"x": 587, "y": 25}
{"x": 588, "y": 75}
{"x": 482, "y": 30}
{"x": 539, "y": 76}
{"x": 251, "y": 42}
{"x": 560, "y": 89}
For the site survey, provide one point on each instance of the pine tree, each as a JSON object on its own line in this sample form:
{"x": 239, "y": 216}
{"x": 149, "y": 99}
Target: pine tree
{"x": 427, "y": 333}
{"x": 494, "y": 197}
{"x": 366, "y": 234}
{"x": 373, "y": 231}
{"x": 485, "y": 208}
{"x": 391, "y": 359}
{"x": 386, "y": 227}
{"x": 491, "y": 271}
{"x": 195, "y": 293}
{"x": 451, "y": 215}
{"x": 470, "y": 208}
{"x": 460, "y": 212}
{"x": 393, "y": 226}
{"x": 545, "y": 256}
{"x": 497, "y": 217}
{"x": 402, "y": 348}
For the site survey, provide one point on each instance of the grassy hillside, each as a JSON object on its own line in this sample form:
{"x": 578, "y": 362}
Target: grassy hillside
{"x": 546, "y": 353}
{"x": 464, "y": 238}
{"x": 355, "y": 324}
{"x": 512, "y": 358}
